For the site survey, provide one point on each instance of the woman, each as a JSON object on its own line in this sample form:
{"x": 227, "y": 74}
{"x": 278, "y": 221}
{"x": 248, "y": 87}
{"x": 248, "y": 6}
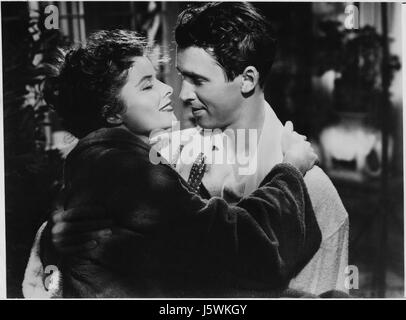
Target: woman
{"x": 166, "y": 240}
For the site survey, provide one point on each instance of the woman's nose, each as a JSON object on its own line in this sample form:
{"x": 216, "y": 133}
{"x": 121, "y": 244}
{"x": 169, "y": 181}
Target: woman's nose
{"x": 166, "y": 89}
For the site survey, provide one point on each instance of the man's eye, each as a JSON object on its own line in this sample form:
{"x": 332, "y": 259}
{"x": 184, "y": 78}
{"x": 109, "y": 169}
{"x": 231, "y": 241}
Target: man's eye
{"x": 197, "y": 82}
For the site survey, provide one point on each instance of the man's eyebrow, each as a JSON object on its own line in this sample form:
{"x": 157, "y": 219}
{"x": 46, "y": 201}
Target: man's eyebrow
{"x": 191, "y": 74}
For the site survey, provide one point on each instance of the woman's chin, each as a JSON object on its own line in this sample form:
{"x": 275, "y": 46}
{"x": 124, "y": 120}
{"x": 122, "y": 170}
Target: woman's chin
{"x": 167, "y": 120}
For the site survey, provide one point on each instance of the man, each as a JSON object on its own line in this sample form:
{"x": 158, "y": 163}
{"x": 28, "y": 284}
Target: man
{"x": 224, "y": 55}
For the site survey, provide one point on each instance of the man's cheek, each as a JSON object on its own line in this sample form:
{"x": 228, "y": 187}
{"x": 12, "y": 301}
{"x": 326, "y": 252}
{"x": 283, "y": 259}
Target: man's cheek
{"x": 207, "y": 94}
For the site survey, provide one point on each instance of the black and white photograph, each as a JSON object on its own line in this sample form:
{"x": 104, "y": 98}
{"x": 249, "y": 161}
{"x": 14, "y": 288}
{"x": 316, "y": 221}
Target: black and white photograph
{"x": 202, "y": 150}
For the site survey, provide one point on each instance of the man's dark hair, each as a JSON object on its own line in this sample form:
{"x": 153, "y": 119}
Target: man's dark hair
{"x": 235, "y": 33}
{"x": 90, "y": 78}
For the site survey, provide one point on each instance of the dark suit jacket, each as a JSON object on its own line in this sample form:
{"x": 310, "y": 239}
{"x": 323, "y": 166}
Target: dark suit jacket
{"x": 168, "y": 241}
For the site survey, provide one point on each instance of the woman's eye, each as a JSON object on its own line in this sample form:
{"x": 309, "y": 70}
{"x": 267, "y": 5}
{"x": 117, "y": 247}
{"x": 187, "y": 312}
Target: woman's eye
{"x": 147, "y": 86}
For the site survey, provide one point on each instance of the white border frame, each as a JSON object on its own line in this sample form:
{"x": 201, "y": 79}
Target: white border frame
{"x": 3, "y": 278}
{"x": 404, "y": 140}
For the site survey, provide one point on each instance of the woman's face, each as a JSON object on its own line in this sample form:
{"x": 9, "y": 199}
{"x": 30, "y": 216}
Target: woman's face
{"x": 146, "y": 99}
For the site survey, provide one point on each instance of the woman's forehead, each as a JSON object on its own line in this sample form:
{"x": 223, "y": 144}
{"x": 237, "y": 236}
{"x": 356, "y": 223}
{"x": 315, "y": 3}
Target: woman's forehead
{"x": 140, "y": 68}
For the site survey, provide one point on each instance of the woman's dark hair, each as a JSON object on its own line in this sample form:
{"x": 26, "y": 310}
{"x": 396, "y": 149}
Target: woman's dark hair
{"x": 235, "y": 33}
{"x": 90, "y": 78}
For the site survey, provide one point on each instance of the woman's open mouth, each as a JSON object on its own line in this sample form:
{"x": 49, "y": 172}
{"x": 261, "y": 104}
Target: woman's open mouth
{"x": 166, "y": 108}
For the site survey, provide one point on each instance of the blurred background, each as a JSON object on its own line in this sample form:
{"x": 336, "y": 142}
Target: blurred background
{"x": 337, "y": 76}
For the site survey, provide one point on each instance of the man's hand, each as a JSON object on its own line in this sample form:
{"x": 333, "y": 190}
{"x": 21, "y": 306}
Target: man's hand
{"x": 296, "y": 150}
{"x": 290, "y": 137}
{"x": 79, "y": 229}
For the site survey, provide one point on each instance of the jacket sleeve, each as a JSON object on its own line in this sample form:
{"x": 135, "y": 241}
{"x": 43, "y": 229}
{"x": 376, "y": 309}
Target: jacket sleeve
{"x": 326, "y": 270}
{"x": 261, "y": 242}
{"x": 267, "y": 238}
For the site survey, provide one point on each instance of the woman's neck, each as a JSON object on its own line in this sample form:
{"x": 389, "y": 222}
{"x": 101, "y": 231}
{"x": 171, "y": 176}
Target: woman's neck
{"x": 143, "y": 137}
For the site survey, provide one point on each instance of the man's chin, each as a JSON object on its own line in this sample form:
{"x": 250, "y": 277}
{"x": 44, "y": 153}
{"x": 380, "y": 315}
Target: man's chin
{"x": 206, "y": 123}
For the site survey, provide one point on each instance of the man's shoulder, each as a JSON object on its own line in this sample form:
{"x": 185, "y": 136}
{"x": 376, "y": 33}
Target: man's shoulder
{"x": 327, "y": 204}
{"x": 319, "y": 183}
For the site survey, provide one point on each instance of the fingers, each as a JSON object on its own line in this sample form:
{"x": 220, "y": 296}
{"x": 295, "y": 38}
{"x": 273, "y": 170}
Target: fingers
{"x": 290, "y": 137}
{"x": 298, "y": 136}
{"x": 299, "y": 152}
{"x": 76, "y": 249}
{"x": 306, "y": 145}
{"x": 313, "y": 158}
{"x": 71, "y": 228}
{"x": 316, "y": 159}
{"x": 293, "y": 137}
{"x": 82, "y": 238}
{"x": 288, "y": 127}
{"x": 79, "y": 229}
{"x": 81, "y": 242}
{"x": 78, "y": 214}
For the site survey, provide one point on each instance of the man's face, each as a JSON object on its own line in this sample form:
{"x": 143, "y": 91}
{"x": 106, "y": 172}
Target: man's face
{"x": 214, "y": 101}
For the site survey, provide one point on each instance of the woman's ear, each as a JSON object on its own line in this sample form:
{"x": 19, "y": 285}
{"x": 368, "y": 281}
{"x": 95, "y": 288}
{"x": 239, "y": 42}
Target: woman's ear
{"x": 249, "y": 80}
{"x": 115, "y": 119}
{"x": 111, "y": 118}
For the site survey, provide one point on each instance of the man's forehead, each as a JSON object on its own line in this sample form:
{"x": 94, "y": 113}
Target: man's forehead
{"x": 195, "y": 60}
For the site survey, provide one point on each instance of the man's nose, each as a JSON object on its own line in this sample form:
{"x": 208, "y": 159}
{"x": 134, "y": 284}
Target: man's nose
{"x": 187, "y": 93}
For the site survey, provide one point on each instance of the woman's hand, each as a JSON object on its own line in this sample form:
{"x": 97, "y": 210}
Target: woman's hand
{"x": 296, "y": 150}
{"x": 79, "y": 229}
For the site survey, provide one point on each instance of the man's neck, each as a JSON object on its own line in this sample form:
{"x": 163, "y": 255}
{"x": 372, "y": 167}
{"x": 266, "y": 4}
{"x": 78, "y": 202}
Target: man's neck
{"x": 252, "y": 114}
{"x": 251, "y": 117}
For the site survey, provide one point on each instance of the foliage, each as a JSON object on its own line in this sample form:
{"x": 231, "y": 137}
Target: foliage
{"x": 32, "y": 173}
{"x": 25, "y": 109}
{"x": 356, "y": 57}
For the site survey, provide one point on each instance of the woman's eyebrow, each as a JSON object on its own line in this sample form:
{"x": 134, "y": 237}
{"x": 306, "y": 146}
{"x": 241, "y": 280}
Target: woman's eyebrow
{"x": 147, "y": 77}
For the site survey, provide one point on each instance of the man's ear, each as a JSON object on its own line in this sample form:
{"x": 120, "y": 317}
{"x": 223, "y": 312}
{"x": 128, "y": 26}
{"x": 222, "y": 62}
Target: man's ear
{"x": 111, "y": 118}
{"x": 249, "y": 80}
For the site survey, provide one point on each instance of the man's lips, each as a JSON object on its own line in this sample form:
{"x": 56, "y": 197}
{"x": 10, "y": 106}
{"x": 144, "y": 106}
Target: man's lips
{"x": 198, "y": 109}
{"x": 166, "y": 108}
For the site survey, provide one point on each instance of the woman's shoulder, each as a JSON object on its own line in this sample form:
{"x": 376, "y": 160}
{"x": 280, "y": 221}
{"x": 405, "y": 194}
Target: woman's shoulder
{"x": 107, "y": 142}
{"x": 116, "y": 137}
{"x": 112, "y": 150}
{"x": 119, "y": 152}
